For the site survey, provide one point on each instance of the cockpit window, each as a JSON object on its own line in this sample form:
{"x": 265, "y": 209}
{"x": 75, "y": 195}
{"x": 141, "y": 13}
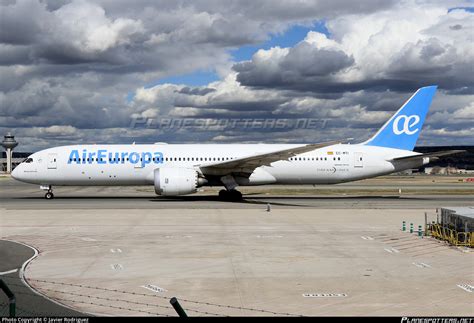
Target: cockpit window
{"x": 28, "y": 160}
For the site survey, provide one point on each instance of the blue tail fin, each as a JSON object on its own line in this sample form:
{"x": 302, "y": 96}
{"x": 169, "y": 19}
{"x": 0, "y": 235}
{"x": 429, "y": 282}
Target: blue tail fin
{"x": 404, "y": 127}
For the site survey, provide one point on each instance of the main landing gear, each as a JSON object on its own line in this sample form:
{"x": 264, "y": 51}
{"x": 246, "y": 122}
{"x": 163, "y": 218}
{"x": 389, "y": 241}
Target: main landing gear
{"x": 49, "y": 194}
{"x": 230, "y": 195}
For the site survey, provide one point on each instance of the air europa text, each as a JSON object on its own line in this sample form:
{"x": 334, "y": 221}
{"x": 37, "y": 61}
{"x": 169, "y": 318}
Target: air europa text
{"x": 103, "y": 156}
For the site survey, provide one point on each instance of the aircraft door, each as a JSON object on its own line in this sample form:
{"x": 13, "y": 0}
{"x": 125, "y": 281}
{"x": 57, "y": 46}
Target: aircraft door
{"x": 358, "y": 160}
{"x": 52, "y": 161}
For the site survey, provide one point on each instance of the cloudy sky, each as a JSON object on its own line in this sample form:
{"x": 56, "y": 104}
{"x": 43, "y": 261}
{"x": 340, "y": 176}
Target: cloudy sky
{"x": 110, "y": 71}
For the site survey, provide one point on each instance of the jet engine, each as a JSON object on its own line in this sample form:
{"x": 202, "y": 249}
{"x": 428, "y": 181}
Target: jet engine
{"x": 176, "y": 181}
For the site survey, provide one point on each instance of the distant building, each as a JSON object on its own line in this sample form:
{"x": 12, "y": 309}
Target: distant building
{"x": 437, "y": 170}
{"x": 17, "y": 159}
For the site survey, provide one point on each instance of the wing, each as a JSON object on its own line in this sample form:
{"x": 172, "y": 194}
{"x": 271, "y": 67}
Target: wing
{"x": 433, "y": 156}
{"x": 246, "y": 165}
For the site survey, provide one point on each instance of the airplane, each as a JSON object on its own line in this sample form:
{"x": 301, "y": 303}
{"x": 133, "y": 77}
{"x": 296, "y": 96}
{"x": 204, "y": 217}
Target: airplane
{"x": 180, "y": 169}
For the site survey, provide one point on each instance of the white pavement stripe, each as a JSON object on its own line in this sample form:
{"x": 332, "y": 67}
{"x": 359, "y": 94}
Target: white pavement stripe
{"x": 9, "y": 272}
{"x": 318, "y": 295}
{"x": 468, "y": 288}
{"x": 154, "y": 288}
{"x": 421, "y": 265}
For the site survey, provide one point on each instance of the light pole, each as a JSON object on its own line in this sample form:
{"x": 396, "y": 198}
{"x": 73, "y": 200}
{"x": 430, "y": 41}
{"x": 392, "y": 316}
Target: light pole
{"x": 9, "y": 143}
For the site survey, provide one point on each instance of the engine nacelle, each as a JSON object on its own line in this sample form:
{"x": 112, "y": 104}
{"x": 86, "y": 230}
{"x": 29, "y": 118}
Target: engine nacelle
{"x": 175, "y": 181}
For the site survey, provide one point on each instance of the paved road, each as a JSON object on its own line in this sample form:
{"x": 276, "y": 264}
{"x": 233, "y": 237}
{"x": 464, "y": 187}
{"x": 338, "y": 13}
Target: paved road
{"x": 210, "y": 202}
{"x": 15, "y": 195}
{"x": 30, "y": 304}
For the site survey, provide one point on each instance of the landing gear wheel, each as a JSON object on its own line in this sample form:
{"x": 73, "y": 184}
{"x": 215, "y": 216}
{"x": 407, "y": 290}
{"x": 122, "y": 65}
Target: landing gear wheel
{"x": 231, "y": 195}
{"x": 223, "y": 195}
{"x": 49, "y": 196}
{"x": 235, "y": 195}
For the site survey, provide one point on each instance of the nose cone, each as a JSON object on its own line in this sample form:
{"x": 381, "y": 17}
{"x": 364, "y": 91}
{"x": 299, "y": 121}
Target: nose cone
{"x": 16, "y": 173}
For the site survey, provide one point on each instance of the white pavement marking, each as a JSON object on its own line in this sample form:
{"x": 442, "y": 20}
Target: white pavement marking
{"x": 367, "y": 238}
{"x": 421, "y": 265}
{"x": 116, "y": 250}
{"x": 269, "y": 236}
{"x": 391, "y": 250}
{"x": 318, "y": 295}
{"x": 116, "y": 267}
{"x": 154, "y": 288}
{"x": 88, "y": 239}
{"x": 468, "y": 288}
{"x": 9, "y": 272}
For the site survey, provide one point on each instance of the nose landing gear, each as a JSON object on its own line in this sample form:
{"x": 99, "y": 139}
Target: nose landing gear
{"x": 49, "y": 194}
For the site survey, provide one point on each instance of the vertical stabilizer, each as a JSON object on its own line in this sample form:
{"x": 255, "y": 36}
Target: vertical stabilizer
{"x": 404, "y": 127}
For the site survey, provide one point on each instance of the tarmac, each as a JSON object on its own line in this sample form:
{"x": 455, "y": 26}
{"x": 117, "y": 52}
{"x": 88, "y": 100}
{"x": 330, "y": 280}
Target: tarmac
{"x": 28, "y": 302}
{"x": 320, "y": 251}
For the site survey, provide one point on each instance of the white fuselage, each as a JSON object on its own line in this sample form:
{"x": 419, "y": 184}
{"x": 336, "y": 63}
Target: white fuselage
{"x": 135, "y": 164}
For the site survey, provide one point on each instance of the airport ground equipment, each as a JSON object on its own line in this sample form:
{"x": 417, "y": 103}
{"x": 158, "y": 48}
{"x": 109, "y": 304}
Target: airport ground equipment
{"x": 455, "y": 226}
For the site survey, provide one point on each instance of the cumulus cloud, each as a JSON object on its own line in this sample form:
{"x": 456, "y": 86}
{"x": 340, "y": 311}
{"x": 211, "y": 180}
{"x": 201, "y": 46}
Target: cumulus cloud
{"x": 389, "y": 49}
{"x": 299, "y": 67}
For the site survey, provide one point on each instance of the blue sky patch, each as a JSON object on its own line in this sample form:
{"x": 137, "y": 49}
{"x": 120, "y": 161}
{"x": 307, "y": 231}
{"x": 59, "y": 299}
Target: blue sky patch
{"x": 468, "y": 9}
{"x": 289, "y": 38}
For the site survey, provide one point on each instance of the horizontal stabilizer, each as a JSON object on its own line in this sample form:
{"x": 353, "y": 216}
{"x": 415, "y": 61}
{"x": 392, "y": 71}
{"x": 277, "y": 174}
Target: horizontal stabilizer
{"x": 434, "y": 155}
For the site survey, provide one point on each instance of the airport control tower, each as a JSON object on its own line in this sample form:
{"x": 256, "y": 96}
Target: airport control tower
{"x": 9, "y": 143}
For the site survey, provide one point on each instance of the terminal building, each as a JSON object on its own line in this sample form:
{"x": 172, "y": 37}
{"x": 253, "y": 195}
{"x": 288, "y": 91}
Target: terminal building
{"x": 16, "y": 160}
